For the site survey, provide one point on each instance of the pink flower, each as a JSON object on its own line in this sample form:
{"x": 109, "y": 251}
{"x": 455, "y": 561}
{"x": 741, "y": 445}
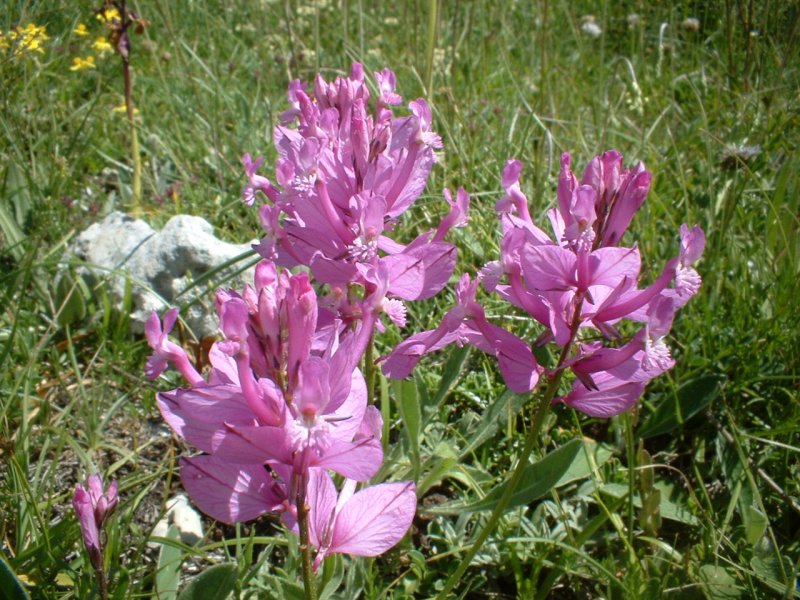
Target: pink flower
{"x": 365, "y": 523}
{"x": 93, "y": 506}
{"x": 284, "y": 403}
{"x": 231, "y": 492}
{"x": 256, "y": 183}
{"x": 466, "y": 323}
{"x": 582, "y": 278}
{"x": 345, "y": 176}
{"x": 165, "y": 351}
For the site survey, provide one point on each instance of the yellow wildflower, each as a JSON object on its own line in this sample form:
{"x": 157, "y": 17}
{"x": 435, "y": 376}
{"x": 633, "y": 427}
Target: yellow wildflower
{"x": 108, "y": 14}
{"x": 33, "y": 38}
{"x": 122, "y": 108}
{"x": 101, "y": 45}
{"x": 81, "y": 30}
{"x": 78, "y": 63}
{"x": 26, "y": 39}
{"x": 33, "y": 45}
{"x": 33, "y": 30}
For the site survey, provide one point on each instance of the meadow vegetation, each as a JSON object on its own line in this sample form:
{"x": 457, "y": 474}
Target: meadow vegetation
{"x": 694, "y": 493}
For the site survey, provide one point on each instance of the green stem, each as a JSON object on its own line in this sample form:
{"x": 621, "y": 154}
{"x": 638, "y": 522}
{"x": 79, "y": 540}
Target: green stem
{"x": 530, "y": 441}
{"x": 309, "y": 580}
{"x": 102, "y": 583}
{"x": 136, "y": 183}
{"x": 370, "y": 370}
{"x": 631, "y": 451}
{"x": 103, "y": 586}
{"x": 433, "y": 16}
{"x": 137, "y": 163}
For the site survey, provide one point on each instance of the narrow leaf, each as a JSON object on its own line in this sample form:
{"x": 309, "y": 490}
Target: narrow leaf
{"x": 452, "y": 371}
{"x": 718, "y": 583}
{"x": 169, "y": 568}
{"x": 692, "y": 397}
{"x": 562, "y": 466}
{"x": 778, "y": 577}
{"x": 668, "y": 509}
{"x": 507, "y": 404}
{"x": 10, "y": 586}
{"x": 407, "y": 398}
{"x": 756, "y": 525}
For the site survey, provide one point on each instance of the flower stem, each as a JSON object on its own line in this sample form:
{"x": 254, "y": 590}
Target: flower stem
{"x": 309, "y": 581}
{"x": 531, "y": 440}
{"x": 370, "y": 370}
{"x": 102, "y": 583}
{"x": 433, "y": 18}
{"x": 630, "y": 450}
{"x": 136, "y": 196}
{"x": 123, "y": 47}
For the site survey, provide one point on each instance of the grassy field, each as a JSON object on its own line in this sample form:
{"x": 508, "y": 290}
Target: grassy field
{"x": 711, "y": 106}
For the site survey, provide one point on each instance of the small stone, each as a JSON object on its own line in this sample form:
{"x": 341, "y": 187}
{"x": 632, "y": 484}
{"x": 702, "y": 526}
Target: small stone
{"x": 161, "y": 265}
{"x": 691, "y": 24}
{"x": 736, "y": 156}
{"x": 590, "y": 27}
{"x": 185, "y": 519}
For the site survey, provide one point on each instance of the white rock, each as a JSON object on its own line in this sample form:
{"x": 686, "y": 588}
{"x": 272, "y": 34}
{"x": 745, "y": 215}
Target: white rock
{"x": 185, "y": 519}
{"x": 591, "y": 28}
{"x": 160, "y": 265}
{"x": 691, "y": 24}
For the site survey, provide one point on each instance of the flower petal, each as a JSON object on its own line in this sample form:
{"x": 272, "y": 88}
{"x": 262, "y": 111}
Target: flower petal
{"x": 374, "y": 519}
{"x": 226, "y": 492}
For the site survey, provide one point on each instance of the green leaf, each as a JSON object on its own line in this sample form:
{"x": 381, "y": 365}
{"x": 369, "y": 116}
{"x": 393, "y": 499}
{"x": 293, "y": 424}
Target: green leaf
{"x": 718, "y": 583}
{"x": 14, "y": 211}
{"x": 216, "y": 582}
{"x": 169, "y": 568}
{"x": 770, "y": 573}
{"x": 650, "y": 513}
{"x": 386, "y": 412}
{"x": 781, "y": 229}
{"x": 668, "y": 508}
{"x": 755, "y": 524}
{"x": 328, "y": 591}
{"x": 441, "y": 468}
{"x": 281, "y": 588}
{"x": 691, "y": 398}
{"x": 407, "y": 398}
{"x": 10, "y": 586}
{"x": 70, "y": 296}
{"x": 562, "y": 466}
{"x": 452, "y": 371}
{"x": 584, "y": 462}
{"x": 507, "y": 402}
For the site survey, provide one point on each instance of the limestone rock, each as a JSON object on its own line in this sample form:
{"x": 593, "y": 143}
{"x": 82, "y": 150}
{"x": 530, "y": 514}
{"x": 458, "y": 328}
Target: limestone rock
{"x": 161, "y": 265}
{"x": 185, "y": 519}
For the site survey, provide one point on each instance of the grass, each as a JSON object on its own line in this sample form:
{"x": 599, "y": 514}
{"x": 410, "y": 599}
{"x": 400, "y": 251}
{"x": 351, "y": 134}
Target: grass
{"x": 517, "y": 79}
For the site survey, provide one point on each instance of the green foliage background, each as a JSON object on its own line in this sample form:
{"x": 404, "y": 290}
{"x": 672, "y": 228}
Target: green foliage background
{"x": 712, "y": 112}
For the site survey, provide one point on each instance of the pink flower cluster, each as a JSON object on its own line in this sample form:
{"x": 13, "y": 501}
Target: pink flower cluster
{"x": 283, "y": 405}
{"x": 579, "y": 285}
{"x": 344, "y": 177}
